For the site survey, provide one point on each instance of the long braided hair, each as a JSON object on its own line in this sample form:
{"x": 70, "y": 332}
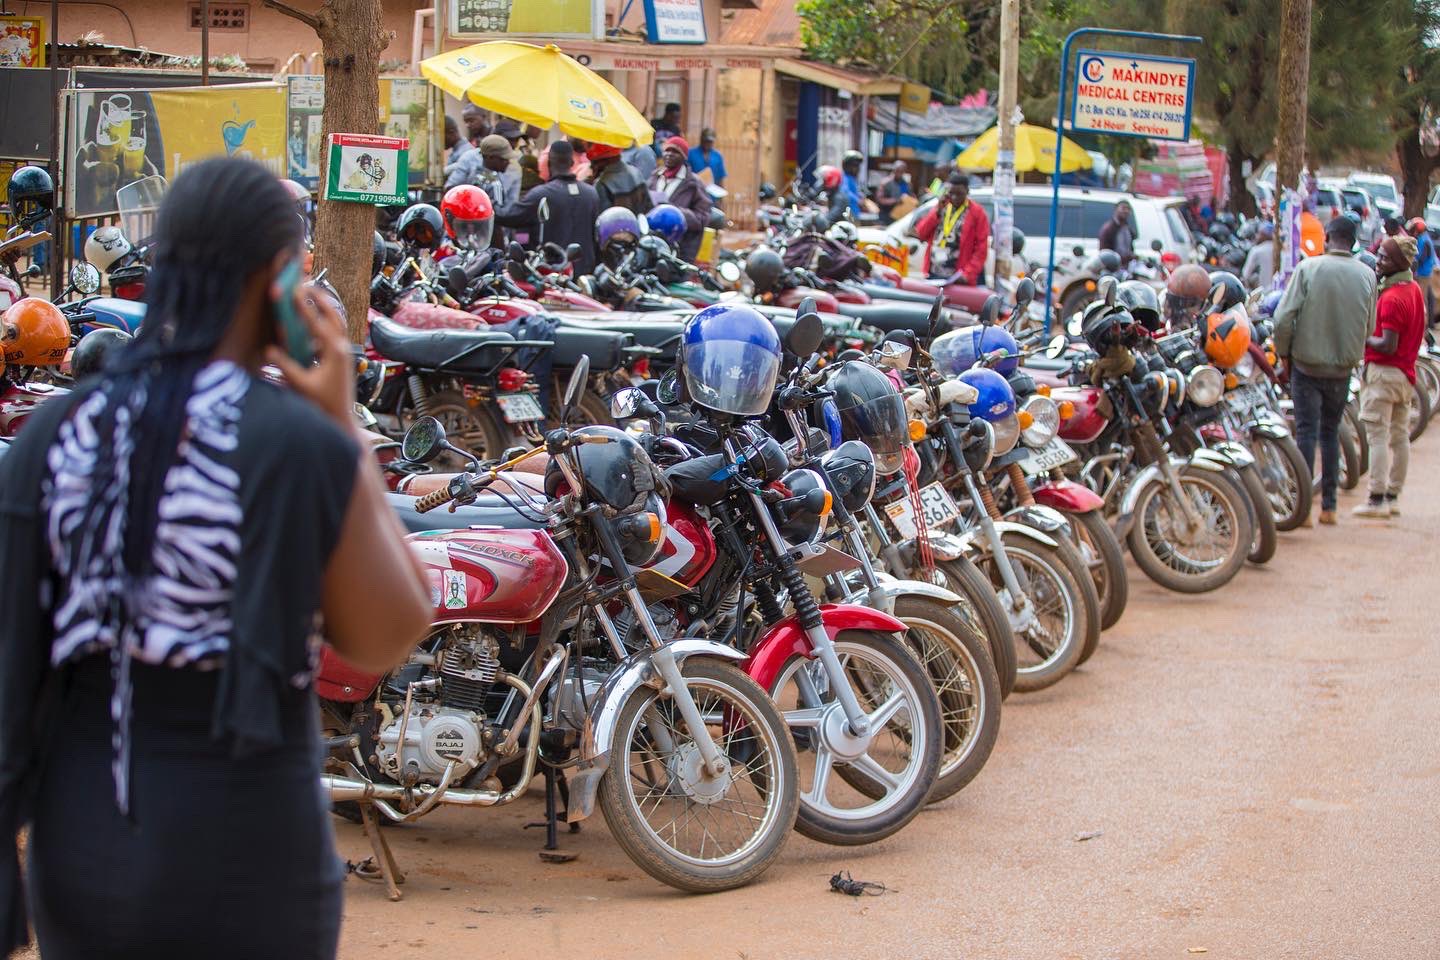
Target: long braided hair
{"x": 221, "y": 221}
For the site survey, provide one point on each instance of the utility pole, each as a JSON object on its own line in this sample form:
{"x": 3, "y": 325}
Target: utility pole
{"x": 1294, "y": 89}
{"x": 1005, "y": 151}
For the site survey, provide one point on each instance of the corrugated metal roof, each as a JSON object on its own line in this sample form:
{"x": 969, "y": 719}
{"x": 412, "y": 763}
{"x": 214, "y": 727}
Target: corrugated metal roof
{"x": 774, "y": 24}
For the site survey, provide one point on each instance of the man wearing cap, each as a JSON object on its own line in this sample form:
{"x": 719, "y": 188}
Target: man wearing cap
{"x": 617, "y": 183}
{"x": 1259, "y": 267}
{"x": 501, "y": 179}
{"x": 1424, "y": 268}
{"x": 573, "y": 207}
{"x": 1388, "y": 379}
{"x": 672, "y": 182}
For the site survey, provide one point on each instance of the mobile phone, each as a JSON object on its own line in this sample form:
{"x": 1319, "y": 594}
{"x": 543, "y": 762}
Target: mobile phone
{"x": 294, "y": 335}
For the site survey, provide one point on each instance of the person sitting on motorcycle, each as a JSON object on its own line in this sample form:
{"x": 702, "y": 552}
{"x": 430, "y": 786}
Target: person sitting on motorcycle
{"x": 850, "y": 166}
{"x": 829, "y": 187}
{"x": 958, "y": 234}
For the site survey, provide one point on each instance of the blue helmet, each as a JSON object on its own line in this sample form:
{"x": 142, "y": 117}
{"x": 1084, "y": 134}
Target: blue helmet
{"x": 956, "y": 351}
{"x": 996, "y": 400}
{"x": 668, "y": 221}
{"x": 1271, "y": 301}
{"x": 730, "y": 358}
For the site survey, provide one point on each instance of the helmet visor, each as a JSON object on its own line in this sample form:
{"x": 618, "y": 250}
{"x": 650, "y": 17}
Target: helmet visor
{"x": 731, "y": 376}
{"x": 473, "y": 234}
{"x": 880, "y": 424}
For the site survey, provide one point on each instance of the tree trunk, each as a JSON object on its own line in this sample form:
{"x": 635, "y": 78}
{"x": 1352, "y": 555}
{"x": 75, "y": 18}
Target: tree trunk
{"x": 1293, "y": 87}
{"x": 352, "y": 37}
{"x": 1415, "y": 171}
{"x": 1241, "y": 200}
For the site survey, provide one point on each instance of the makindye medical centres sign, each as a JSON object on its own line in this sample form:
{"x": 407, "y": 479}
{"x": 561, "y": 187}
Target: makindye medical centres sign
{"x": 1126, "y": 95}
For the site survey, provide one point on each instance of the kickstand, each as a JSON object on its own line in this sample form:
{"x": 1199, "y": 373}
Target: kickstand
{"x": 383, "y": 858}
{"x": 555, "y": 783}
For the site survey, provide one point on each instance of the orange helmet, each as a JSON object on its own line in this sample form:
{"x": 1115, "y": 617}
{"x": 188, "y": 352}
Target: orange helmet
{"x": 1227, "y": 337}
{"x": 36, "y": 333}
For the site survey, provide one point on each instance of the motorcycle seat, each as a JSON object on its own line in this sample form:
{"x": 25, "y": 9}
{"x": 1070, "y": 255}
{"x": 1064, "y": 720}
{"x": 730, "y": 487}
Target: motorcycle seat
{"x": 487, "y": 511}
{"x": 601, "y": 345}
{"x": 1061, "y": 365}
{"x": 882, "y": 291}
{"x": 893, "y": 315}
{"x": 458, "y": 351}
{"x": 125, "y": 315}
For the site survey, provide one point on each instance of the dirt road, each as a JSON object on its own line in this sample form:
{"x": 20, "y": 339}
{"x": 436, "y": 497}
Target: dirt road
{"x": 1260, "y": 766}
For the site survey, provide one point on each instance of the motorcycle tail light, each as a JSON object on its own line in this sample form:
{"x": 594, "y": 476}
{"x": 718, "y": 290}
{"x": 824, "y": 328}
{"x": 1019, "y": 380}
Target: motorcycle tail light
{"x": 641, "y": 368}
{"x": 130, "y": 291}
{"x": 511, "y": 379}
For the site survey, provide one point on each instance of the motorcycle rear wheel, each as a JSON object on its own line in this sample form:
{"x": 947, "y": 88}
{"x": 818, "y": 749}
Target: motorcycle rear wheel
{"x": 957, "y": 658}
{"x": 1105, "y": 557}
{"x": 1056, "y": 593}
{"x": 471, "y": 427}
{"x": 1089, "y": 593}
{"x": 1162, "y": 562}
{"x": 1262, "y": 516}
{"x": 890, "y": 683}
{"x": 1286, "y": 479}
{"x": 963, "y": 577}
{"x": 751, "y": 734}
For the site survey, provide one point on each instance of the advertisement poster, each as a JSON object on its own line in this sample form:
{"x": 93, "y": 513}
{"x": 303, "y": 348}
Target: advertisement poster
{"x": 123, "y": 136}
{"x": 552, "y": 18}
{"x": 405, "y": 105}
{"x": 22, "y": 41}
{"x": 367, "y": 169}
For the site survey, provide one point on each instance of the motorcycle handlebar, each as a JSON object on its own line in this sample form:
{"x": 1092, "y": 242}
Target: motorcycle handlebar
{"x": 432, "y": 500}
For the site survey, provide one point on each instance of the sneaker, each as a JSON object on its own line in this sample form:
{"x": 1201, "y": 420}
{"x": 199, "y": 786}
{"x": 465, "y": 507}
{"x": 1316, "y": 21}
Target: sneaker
{"x": 1327, "y": 518}
{"x": 1393, "y": 504}
{"x": 1373, "y": 510}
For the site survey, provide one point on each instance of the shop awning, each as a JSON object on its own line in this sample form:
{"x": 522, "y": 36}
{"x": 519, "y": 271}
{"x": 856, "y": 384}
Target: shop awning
{"x": 858, "y": 82}
{"x": 657, "y": 58}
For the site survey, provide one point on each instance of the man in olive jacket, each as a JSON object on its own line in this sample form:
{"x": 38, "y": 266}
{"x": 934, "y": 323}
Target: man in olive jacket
{"x": 1320, "y": 328}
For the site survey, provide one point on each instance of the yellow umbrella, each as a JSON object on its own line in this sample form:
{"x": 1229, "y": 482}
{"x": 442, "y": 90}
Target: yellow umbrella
{"x": 539, "y": 86}
{"x": 1034, "y": 151}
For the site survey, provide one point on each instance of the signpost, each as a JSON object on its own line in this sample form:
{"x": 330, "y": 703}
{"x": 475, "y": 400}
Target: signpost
{"x": 1120, "y": 94}
{"x": 674, "y": 21}
{"x": 365, "y": 169}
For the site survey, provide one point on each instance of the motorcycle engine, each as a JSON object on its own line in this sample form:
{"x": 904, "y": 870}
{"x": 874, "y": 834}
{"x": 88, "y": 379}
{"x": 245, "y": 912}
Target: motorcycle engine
{"x": 447, "y": 711}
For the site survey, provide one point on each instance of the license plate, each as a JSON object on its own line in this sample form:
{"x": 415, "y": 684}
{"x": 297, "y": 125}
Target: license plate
{"x": 1054, "y": 454}
{"x": 940, "y": 510}
{"x": 1244, "y": 398}
{"x": 520, "y": 408}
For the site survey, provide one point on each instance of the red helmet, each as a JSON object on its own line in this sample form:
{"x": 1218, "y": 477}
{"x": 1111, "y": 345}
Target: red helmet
{"x": 469, "y": 216}
{"x": 828, "y": 176}
{"x": 1415, "y": 227}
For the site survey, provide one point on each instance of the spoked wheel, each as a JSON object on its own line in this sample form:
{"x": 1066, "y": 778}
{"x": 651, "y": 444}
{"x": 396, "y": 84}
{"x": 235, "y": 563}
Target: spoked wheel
{"x": 977, "y": 598}
{"x": 1051, "y": 622}
{"x": 471, "y": 427}
{"x": 1190, "y": 559}
{"x": 1354, "y": 449}
{"x": 1420, "y": 410}
{"x": 1262, "y": 517}
{"x": 1105, "y": 559}
{"x": 682, "y": 824}
{"x": 1286, "y": 478}
{"x": 1427, "y": 373}
{"x": 860, "y": 788}
{"x": 957, "y": 659}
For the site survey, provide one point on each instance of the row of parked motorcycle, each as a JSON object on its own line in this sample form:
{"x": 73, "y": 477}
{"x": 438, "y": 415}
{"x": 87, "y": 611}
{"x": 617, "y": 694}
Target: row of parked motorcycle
{"x": 726, "y": 572}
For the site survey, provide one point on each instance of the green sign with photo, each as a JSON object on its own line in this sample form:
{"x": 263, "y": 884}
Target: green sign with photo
{"x": 365, "y": 169}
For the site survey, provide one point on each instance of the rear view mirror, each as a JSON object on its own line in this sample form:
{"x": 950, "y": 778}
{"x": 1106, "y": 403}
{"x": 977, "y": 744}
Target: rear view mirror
{"x": 767, "y": 191}
{"x": 424, "y": 439}
{"x": 1056, "y": 348}
{"x": 805, "y": 334}
{"x": 574, "y": 252}
{"x": 626, "y": 403}
{"x": 894, "y": 353}
{"x": 85, "y": 277}
{"x": 990, "y": 312}
{"x": 729, "y": 271}
{"x": 578, "y": 378}
{"x": 1075, "y": 326}
{"x": 1157, "y": 246}
{"x": 1078, "y": 250}
{"x": 667, "y": 391}
{"x": 1024, "y": 293}
{"x": 456, "y": 281}
{"x": 515, "y": 252}
{"x": 543, "y": 213}
{"x": 932, "y": 322}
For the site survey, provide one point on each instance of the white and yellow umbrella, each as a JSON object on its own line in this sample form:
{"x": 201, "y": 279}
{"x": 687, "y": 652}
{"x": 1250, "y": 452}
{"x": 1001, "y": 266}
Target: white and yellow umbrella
{"x": 539, "y": 86}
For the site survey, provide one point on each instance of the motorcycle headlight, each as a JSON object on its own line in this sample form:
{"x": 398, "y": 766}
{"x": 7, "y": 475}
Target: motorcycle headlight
{"x": 1206, "y": 386}
{"x": 1044, "y": 421}
{"x": 1007, "y": 434}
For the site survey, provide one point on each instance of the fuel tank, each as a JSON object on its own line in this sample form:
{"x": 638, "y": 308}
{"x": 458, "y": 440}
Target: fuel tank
{"x": 490, "y": 575}
{"x": 1092, "y": 412}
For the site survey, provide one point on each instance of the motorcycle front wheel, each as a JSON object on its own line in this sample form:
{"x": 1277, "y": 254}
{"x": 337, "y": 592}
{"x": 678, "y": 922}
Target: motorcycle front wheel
{"x": 1049, "y": 642}
{"x": 679, "y": 823}
{"x": 1286, "y": 479}
{"x": 1105, "y": 558}
{"x": 860, "y": 789}
{"x": 1192, "y": 561}
{"x": 963, "y": 577}
{"x": 957, "y": 658}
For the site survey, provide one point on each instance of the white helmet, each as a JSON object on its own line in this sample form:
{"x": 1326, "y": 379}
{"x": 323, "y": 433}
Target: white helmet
{"x": 844, "y": 232}
{"x": 105, "y": 246}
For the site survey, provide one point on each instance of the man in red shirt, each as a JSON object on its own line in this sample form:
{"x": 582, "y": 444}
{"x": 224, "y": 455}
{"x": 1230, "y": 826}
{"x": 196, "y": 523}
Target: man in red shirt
{"x": 958, "y": 233}
{"x": 1389, "y": 375}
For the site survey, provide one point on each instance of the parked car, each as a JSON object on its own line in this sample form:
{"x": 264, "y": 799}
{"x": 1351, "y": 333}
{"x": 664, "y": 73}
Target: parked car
{"x": 1381, "y": 187}
{"x": 1354, "y": 197}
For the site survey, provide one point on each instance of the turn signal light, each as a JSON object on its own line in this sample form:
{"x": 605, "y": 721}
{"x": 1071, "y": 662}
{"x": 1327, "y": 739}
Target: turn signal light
{"x": 829, "y": 502}
{"x": 1090, "y": 285}
{"x": 656, "y": 528}
{"x": 1067, "y": 409}
{"x": 1231, "y": 381}
{"x": 362, "y": 365}
{"x": 1026, "y": 418}
{"x": 1043, "y": 389}
{"x": 917, "y": 430}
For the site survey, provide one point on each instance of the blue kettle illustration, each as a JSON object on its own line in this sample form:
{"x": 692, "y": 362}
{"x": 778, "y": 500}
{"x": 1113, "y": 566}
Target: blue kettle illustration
{"x": 234, "y": 134}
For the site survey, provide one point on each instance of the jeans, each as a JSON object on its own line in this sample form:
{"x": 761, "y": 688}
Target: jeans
{"x": 1319, "y": 405}
{"x": 1385, "y": 411}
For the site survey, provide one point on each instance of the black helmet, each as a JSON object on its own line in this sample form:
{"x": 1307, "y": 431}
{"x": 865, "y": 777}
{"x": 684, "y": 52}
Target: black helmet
{"x": 1105, "y": 326}
{"x": 1109, "y": 261}
{"x": 871, "y": 411}
{"x": 1017, "y": 241}
{"x": 377, "y": 253}
{"x": 765, "y": 270}
{"x": 1219, "y": 232}
{"x": 1226, "y": 290}
{"x": 802, "y": 514}
{"x": 717, "y": 219}
{"x": 421, "y": 225}
{"x": 1139, "y": 298}
{"x": 851, "y": 469}
{"x": 31, "y": 194}
{"x": 94, "y": 351}
{"x": 620, "y": 475}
